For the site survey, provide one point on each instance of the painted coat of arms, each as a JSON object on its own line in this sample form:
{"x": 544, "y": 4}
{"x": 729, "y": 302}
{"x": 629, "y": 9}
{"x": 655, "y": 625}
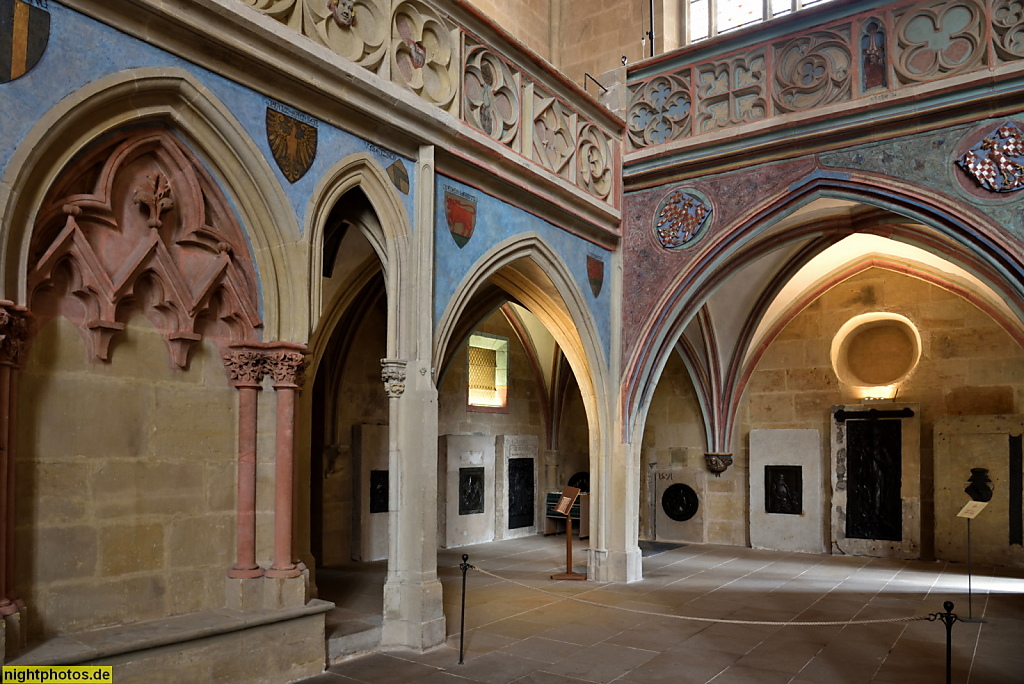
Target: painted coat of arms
{"x": 24, "y": 34}
{"x": 292, "y": 142}
{"x": 997, "y": 162}
{"x": 460, "y": 214}
{"x": 680, "y": 219}
{"x": 595, "y": 274}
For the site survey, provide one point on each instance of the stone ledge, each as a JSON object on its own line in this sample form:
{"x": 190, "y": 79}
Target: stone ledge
{"x": 110, "y": 641}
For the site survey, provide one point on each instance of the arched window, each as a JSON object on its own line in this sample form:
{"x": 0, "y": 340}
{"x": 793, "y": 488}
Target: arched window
{"x": 708, "y": 18}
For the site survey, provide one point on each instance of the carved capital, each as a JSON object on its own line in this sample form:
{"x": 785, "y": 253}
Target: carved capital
{"x": 286, "y": 363}
{"x": 393, "y": 375}
{"x": 15, "y": 329}
{"x": 246, "y": 367}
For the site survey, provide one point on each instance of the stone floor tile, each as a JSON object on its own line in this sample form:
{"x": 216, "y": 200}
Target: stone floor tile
{"x": 380, "y": 668}
{"x": 601, "y": 663}
{"x": 579, "y": 633}
{"x": 780, "y": 654}
{"x": 543, "y": 649}
{"x": 496, "y": 668}
{"x": 737, "y": 674}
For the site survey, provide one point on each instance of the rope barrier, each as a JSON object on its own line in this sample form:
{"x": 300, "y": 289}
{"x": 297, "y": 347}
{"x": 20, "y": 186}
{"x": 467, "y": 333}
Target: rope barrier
{"x": 790, "y": 623}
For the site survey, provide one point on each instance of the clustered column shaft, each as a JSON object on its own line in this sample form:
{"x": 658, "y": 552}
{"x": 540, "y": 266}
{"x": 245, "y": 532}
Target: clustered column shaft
{"x": 14, "y": 333}
{"x": 247, "y": 364}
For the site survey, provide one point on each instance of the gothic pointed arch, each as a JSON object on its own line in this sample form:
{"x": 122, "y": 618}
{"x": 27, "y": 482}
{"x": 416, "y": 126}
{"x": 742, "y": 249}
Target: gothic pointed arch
{"x": 173, "y": 100}
{"x": 533, "y": 274}
{"x": 940, "y": 225}
{"x": 386, "y": 226}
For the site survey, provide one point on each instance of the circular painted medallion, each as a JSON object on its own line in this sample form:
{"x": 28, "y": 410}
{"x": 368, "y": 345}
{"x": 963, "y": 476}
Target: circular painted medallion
{"x": 680, "y": 502}
{"x": 682, "y": 218}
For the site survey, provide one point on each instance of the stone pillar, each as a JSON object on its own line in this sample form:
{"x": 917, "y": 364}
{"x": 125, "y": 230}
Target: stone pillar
{"x": 246, "y": 367}
{"x": 413, "y": 612}
{"x": 286, "y": 362}
{"x": 14, "y": 333}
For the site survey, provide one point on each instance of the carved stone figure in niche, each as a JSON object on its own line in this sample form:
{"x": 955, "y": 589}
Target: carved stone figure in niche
{"x": 979, "y": 489}
{"x": 520, "y": 493}
{"x": 874, "y": 463}
{"x": 344, "y": 11}
{"x": 471, "y": 491}
{"x": 783, "y": 490}
{"x": 872, "y": 49}
{"x": 378, "y": 491}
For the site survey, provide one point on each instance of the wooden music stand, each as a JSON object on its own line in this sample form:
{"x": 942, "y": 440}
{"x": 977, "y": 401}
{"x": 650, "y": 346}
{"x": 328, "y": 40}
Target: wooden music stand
{"x": 564, "y": 506}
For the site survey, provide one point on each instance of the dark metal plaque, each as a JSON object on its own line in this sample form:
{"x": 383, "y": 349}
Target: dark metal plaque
{"x": 874, "y": 506}
{"x": 680, "y": 502}
{"x": 520, "y": 493}
{"x": 783, "y": 489}
{"x": 471, "y": 491}
{"x": 378, "y": 491}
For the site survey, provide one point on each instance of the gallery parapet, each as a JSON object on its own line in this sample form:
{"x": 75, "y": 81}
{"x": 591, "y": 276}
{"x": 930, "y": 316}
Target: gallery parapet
{"x": 453, "y": 57}
{"x": 815, "y": 73}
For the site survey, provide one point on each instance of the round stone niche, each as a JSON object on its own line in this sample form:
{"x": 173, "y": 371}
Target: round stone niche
{"x": 876, "y": 350}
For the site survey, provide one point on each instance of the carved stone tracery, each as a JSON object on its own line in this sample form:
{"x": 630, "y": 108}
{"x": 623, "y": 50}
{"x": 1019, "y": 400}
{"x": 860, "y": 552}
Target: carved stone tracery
{"x": 731, "y": 92}
{"x": 940, "y": 40}
{"x": 594, "y": 161}
{"x": 554, "y": 127}
{"x": 137, "y": 225}
{"x": 660, "y": 110}
{"x": 813, "y": 71}
{"x": 15, "y": 329}
{"x": 490, "y": 93}
{"x": 424, "y": 54}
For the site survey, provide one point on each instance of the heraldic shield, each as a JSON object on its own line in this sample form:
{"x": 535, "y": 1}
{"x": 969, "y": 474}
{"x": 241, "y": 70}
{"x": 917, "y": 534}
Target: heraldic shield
{"x": 595, "y": 274}
{"x": 292, "y": 142}
{"x": 460, "y": 214}
{"x": 24, "y": 33}
{"x": 997, "y": 162}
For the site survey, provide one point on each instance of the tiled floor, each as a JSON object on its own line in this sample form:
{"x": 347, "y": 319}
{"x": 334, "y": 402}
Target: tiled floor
{"x": 516, "y": 634}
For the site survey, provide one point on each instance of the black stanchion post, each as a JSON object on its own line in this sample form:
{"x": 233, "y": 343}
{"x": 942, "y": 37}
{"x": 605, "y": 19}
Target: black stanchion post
{"x": 948, "y": 618}
{"x": 462, "y": 627}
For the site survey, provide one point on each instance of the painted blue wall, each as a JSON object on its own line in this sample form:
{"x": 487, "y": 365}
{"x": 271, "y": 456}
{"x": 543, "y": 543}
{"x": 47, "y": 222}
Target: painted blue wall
{"x": 82, "y": 50}
{"x": 497, "y": 221}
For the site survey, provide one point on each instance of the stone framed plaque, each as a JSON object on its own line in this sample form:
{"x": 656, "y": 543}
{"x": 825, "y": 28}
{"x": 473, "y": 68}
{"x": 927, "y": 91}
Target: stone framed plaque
{"x": 783, "y": 489}
{"x": 379, "y": 483}
{"x": 520, "y": 493}
{"x": 471, "y": 491}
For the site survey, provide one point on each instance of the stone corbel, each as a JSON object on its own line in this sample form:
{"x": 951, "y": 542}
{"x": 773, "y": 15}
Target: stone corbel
{"x": 393, "y": 376}
{"x": 100, "y": 335}
{"x": 718, "y": 462}
{"x": 179, "y": 344}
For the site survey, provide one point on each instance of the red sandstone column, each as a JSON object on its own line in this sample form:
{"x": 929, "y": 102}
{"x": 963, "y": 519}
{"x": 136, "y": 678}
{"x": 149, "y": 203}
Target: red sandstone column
{"x": 285, "y": 363}
{"x": 14, "y": 332}
{"x": 246, "y": 367}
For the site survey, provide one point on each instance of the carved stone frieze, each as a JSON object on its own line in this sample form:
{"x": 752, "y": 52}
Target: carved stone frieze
{"x": 282, "y": 10}
{"x": 1008, "y": 29}
{"x": 659, "y": 109}
{"x": 424, "y": 54}
{"x": 357, "y": 30}
{"x": 393, "y": 376}
{"x": 731, "y": 92}
{"x": 813, "y": 71}
{"x": 594, "y": 161}
{"x": 490, "y": 94}
{"x": 554, "y": 133}
{"x": 137, "y": 225}
{"x": 937, "y": 40}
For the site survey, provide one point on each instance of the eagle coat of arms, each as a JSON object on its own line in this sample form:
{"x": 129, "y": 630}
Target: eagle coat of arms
{"x": 292, "y": 142}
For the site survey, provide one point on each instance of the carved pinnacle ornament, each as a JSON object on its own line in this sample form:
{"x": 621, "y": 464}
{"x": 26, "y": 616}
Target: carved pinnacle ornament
{"x": 245, "y": 367}
{"x": 393, "y": 375}
{"x": 156, "y": 195}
